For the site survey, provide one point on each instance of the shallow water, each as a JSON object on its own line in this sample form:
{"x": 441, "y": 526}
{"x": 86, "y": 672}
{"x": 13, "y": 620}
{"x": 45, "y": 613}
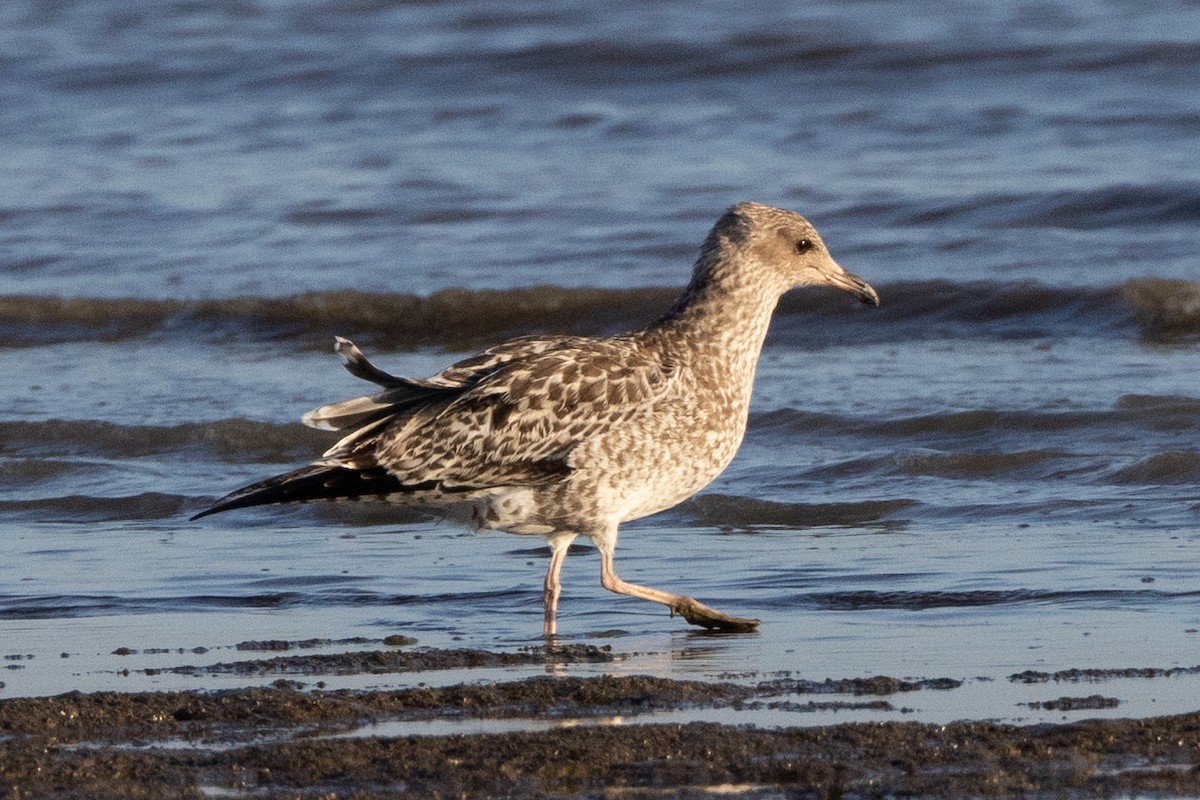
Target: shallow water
{"x": 995, "y": 471}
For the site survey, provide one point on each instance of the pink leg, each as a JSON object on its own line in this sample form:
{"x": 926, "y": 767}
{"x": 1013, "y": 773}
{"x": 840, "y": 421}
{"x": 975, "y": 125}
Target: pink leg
{"x": 559, "y": 544}
{"x": 695, "y": 612}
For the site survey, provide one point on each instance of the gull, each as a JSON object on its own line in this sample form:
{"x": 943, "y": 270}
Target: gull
{"x": 567, "y": 436}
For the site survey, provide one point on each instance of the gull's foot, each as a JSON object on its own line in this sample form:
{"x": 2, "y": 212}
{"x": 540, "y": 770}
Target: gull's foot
{"x": 697, "y": 613}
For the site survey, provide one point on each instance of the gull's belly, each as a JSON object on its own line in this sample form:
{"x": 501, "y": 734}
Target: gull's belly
{"x": 670, "y": 480}
{"x": 634, "y": 471}
{"x": 649, "y": 468}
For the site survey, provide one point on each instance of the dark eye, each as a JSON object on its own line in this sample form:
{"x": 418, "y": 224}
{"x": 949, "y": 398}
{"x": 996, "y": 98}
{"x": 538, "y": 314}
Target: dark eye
{"x": 803, "y": 246}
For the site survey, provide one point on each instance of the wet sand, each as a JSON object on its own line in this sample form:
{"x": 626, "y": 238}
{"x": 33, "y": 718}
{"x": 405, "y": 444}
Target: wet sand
{"x": 569, "y": 737}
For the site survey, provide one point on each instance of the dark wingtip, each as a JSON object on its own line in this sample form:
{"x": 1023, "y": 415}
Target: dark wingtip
{"x": 227, "y": 503}
{"x": 300, "y": 484}
{"x": 215, "y": 508}
{"x": 314, "y": 482}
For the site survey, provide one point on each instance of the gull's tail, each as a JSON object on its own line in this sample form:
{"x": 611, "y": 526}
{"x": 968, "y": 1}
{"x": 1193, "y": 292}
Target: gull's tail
{"x": 309, "y": 484}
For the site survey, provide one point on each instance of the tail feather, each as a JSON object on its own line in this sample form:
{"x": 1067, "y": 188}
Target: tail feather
{"x": 307, "y": 484}
{"x": 399, "y": 395}
{"x": 359, "y": 366}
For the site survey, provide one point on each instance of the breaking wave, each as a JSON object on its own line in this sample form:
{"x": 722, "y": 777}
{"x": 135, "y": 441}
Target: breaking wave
{"x": 238, "y": 440}
{"x": 721, "y": 510}
{"x": 59, "y": 445}
{"x": 460, "y": 319}
{"x": 1130, "y": 414}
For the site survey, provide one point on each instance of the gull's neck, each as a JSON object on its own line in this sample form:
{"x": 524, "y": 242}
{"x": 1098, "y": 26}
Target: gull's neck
{"x": 719, "y": 323}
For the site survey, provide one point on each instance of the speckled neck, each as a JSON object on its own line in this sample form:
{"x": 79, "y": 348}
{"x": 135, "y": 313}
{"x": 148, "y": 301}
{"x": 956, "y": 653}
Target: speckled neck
{"x": 717, "y": 327}
{"x": 724, "y": 300}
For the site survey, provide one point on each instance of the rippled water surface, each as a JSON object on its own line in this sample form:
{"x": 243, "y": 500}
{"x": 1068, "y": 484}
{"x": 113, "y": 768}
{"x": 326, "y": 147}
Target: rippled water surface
{"x": 995, "y": 471}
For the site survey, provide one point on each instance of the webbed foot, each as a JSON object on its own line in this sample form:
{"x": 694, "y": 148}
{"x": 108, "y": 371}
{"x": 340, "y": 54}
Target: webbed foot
{"x": 696, "y": 613}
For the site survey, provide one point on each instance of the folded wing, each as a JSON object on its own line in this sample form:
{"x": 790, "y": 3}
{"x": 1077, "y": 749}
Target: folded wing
{"x": 509, "y": 416}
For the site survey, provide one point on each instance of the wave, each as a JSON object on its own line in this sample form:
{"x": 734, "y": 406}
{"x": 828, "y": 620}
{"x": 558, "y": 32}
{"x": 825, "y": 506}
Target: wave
{"x": 1166, "y": 310}
{"x": 31, "y": 452}
{"x": 730, "y": 511}
{"x": 1132, "y": 412}
{"x": 714, "y": 510}
{"x": 567, "y": 53}
{"x": 1020, "y": 464}
{"x": 921, "y": 601}
{"x": 230, "y": 440}
{"x": 55, "y": 606}
{"x": 84, "y": 508}
{"x": 462, "y": 319}
{"x": 19, "y": 472}
{"x": 16, "y": 606}
{"x": 1090, "y": 208}
{"x": 1177, "y": 469}
{"x": 451, "y": 318}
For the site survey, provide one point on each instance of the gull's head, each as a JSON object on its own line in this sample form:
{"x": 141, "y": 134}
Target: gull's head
{"x": 782, "y": 247}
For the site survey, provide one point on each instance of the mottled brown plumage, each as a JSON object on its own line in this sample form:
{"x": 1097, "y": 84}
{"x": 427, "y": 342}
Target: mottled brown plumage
{"x": 568, "y": 436}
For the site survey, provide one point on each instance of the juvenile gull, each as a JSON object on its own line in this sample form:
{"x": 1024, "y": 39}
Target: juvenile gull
{"x": 562, "y": 436}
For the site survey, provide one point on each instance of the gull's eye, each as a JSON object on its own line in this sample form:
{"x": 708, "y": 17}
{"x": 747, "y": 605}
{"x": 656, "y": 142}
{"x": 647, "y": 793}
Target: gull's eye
{"x": 803, "y": 246}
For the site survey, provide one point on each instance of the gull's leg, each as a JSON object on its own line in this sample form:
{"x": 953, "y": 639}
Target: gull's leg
{"x": 691, "y": 610}
{"x": 559, "y": 544}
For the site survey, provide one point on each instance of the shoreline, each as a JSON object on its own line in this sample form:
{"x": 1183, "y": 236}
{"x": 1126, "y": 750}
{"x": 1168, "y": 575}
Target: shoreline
{"x": 567, "y": 736}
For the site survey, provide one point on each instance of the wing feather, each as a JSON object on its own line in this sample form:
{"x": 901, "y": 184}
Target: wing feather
{"x": 511, "y": 415}
{"x": 528, "y": 414}
{"x": 407, "y": 393}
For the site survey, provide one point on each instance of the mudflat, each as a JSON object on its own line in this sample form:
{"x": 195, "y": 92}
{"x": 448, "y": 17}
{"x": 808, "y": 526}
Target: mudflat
{"x": 559, "y": 736}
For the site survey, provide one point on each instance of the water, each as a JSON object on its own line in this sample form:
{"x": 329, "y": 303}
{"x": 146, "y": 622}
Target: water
{"x": 996, "y": 471}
